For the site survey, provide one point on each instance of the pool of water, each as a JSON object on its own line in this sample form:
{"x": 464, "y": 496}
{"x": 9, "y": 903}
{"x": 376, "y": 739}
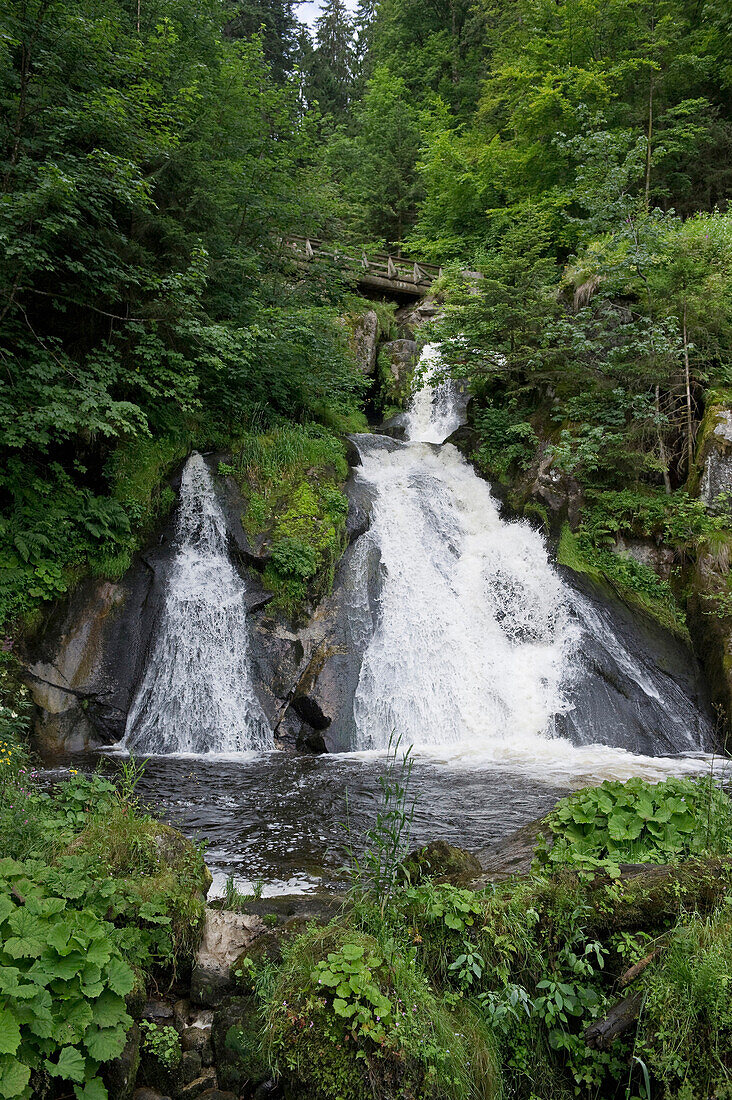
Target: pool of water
{"x": 287, "y": 821}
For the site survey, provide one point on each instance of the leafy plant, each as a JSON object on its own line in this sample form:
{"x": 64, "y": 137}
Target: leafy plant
{"x": 638, "y": 822}
{"x": 162, "y": 1042}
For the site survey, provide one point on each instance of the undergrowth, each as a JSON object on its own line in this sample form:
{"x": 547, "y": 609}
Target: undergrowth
{"x": 97, "y": 898}
{"x": 291, "y": 476}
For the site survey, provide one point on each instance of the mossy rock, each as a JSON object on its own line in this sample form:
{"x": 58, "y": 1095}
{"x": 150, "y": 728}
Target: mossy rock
{"x": 266, "y": 948}
{"x": 237, "y": 1047}
{"x": 442, "y": 862}
{"x": 427, "y": 1050}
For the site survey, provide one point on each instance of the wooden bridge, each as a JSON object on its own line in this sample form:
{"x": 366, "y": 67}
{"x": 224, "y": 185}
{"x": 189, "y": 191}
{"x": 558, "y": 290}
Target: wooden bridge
{"x": 379, "y": 271}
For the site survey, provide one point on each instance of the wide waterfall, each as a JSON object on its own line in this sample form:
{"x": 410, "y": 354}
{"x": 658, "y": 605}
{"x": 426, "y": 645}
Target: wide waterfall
{"x": 197, "y": 694}
{"x": 478, "y": 641}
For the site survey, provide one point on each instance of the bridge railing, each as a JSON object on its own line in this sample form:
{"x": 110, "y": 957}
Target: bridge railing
{"x": 380, "y": 265}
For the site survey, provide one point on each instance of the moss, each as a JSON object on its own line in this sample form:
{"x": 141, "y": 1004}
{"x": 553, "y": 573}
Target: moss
{"x": 157, "y": 862}
{"x": 422, "y": 1049}
{"x": 634, "y": 583}
{"x": 292, "y": 479}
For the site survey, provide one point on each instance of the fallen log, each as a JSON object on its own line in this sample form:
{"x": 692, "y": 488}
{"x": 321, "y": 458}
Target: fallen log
{"x": 649, "y": 896}
{"x": 633, "y": 971}
{"x": 603, "y": 1033}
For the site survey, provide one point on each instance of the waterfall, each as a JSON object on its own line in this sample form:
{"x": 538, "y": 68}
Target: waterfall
{"x": 197, "y": 694}
{"x": 477, "y": 641}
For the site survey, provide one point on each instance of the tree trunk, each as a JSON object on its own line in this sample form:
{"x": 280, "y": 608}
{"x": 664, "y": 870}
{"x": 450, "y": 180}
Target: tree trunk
{"x": 689, "y": 418}
{"x": 603, "y": 1033}
{"x": 663, "y": 457}
{"x": 648, "y": 142}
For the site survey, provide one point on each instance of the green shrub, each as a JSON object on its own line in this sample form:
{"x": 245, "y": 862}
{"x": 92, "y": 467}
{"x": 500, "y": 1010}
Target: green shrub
{"x": 345, "y": 1020}
{"x": 685, "y": 1033}
{"x": 638, "y": 822}
{"x": 63, "y": 985}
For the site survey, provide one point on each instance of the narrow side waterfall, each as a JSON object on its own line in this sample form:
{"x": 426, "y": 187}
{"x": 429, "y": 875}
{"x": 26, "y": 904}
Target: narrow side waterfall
{"x": 197, "y": 694}
{"x": 478, "y": 641}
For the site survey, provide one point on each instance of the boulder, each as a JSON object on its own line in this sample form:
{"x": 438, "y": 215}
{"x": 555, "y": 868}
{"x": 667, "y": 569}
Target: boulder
{"x": 191, "y": 1066}
{"x": 397, "y": 360}
{"x": 198, "y": 1086}
{"x": 443, "y": 862}
{"x": 148, "y": 1094}
{"x": 715, "y": 457}
{"x": 513, "y": 855}
{"x": 197, "y": 1039}
{"x": 225, "y": 936}
{"x": 120, "y": 1074}
{"x": 658, "y": 558}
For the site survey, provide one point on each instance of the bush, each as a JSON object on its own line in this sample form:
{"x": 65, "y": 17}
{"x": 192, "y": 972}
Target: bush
{"x": 345, "y": 1020}
{"x": 639, "y": 822}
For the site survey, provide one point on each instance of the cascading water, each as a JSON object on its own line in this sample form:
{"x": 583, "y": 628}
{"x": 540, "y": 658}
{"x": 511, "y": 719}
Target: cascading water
{"x": 197, "y": 694}
{"x": 477, "y": 641}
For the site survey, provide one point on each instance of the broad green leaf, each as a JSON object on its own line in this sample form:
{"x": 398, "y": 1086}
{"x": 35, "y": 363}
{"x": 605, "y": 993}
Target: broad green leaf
{"x": 109, "y": 1010}
{"x": 9, "y": 1032}
{"x": 92, "y": 1090}
{"x": 120, "y": 977}
{"x": 105, "y": 1043}
{"x": 14, "y": 1077}
{"x": 71, "y": 1065}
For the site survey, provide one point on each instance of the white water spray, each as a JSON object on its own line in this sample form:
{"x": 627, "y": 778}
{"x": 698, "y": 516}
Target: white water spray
{"x": 474, "y": 651}
{"x": 197, "y": 694}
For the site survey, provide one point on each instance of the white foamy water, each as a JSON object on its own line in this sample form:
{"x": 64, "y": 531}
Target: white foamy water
{"x": 475, "y": 649}
{"x": 197, "y": 694}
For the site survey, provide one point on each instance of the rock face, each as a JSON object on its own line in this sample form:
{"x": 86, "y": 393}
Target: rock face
{"x": 225, "y": 936}
{"x": 442, "y": 862}
{"x": 398, "y": 359}
{"x": 364, "y": 333}
{"x": 658, "y": 558}
{"x": 716, "y": 457}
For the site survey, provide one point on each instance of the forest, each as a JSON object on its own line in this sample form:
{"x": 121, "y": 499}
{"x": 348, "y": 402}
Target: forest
{"x": 566, "y": 165}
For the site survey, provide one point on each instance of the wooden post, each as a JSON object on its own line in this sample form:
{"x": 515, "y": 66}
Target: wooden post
{"x": 309, "y": 249}
{"x": 364, "y": 261}
{"x": 391, "y": 269}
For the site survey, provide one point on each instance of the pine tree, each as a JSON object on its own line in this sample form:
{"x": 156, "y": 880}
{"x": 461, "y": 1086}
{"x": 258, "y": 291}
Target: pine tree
{"x": 279, "y": 26}
{"x": 333, "y": 61}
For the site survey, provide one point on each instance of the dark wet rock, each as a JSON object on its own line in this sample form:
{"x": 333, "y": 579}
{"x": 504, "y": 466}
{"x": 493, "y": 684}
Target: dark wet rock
{"x": 236, "y": 1038}
{"x": 466, "y": 439}
{"x": 511, "y": 856}
{"x": 225, "y": 936}
{"x": 148, "y": 1094}
{"x": 320, "y": 906}
{"x": 199, "y": 1086}
{"x": 160, "y": 1012}
{"x": 336, "y": 639}
{"x": 395, "y": 427}
{"x": 217, "y": 1094}
{"x": 442, "y": 862}
{"x": 191, "y": 1066}
{"x": 120, "y": 1075}
{"x": 360, "y": 503}
{"x": 198, "y": 1039}
{"x": 638, "y": 686}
